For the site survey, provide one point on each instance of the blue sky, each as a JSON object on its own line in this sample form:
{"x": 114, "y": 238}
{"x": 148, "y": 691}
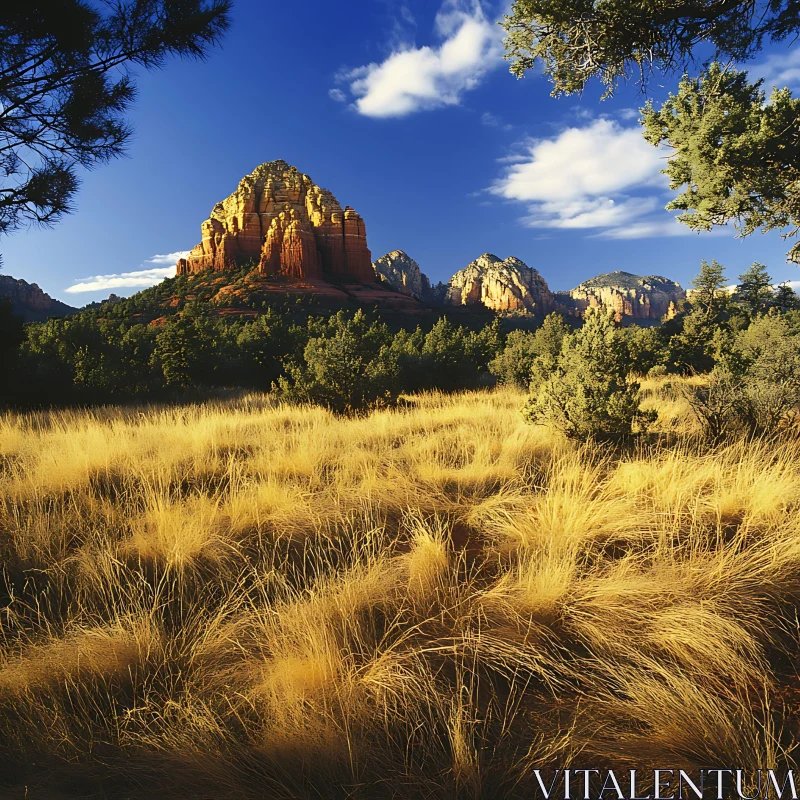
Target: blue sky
{"x": 407, "y": 112}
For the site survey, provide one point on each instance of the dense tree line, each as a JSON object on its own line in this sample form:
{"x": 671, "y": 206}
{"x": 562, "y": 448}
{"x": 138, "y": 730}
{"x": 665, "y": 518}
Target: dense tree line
{"x": 583, "y": 381}
{"x": 131, "y": 350}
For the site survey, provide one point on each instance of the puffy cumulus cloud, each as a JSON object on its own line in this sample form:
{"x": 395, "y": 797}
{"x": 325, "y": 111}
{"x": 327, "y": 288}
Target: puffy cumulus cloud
{"x": 779, "y": 70}
{"x": 138, "y": 279}
{"x": 601, "y": 175}
{"x": 418, "y": 78}
{"x": 598, "y": 160}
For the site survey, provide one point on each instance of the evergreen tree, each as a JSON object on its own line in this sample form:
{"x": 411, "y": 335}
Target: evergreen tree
{"x": 589, "y": 394}
{"x": 531, "y": 356}
{"x": 646, "y": 348}
{"x": 575, "y": 40}
{"x": 514, "y": 365}
{"x": 446, "y": 358}
{"x": 708, "y": 287}
{"x": 786, "y": 298}
{"x": 755, "y": 385}
{"x": 348, "y": 368}
{"x": 755, "y": 289}
{"x": 183, "y": 349}
{"x": 485, "y": 345}
{"x": 735, "y": 153}
{"x": 263, "y": 344}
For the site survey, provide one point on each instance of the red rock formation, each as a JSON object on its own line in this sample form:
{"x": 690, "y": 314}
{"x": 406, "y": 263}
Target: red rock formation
{"x": 280, "y": 218}
{"x": 402, "y": 273}
{"x": 357, "y": 255}
{"x": 289, "y": 249}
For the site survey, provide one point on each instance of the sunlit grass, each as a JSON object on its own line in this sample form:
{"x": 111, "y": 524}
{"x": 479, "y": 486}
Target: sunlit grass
{"x": 248, "y": 599}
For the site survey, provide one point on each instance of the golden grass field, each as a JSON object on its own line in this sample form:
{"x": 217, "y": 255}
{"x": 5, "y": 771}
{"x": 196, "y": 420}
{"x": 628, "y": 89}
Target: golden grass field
{"x": 244, "y": 599}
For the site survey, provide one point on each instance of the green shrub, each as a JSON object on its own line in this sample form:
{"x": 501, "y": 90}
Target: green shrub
{"x": 350, "y": 367}
{"x": 589, "y": 394}
{"x": 263, "y": 345}
{"x": 514, "y": 365}
{"x": 755, "y": 387}
{"x": 454, "y": 357}
{"x": 646, "y": 348}
{"x": 716, "y": 403}
{"x": 691, "y": 349}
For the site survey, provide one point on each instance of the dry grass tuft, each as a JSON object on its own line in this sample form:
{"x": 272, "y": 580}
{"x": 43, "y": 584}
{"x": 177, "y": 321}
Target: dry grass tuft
{"x": 246, "y": 599}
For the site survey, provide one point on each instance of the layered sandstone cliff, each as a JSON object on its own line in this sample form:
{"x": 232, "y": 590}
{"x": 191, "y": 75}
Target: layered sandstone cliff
{"x": 291, "y": 227}
{"x": 30, "y": 302}
{"x": 402, "y": 273}
{"x": 509, "y": 285}
{"x": 629, "y": 296}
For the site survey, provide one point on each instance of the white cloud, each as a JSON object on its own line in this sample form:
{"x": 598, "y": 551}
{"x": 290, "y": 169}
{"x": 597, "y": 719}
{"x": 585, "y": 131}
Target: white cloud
{"x": 599, "y": 176}
{"x": 780, "y": 69}
{"x": 338, "y": 95}
{"x": 418, "y": 78}
{"x": 402, "y": 25}
{"x": 493, "y": 121}
{"x": 168, "y": 258}
{"x": 598, "y": 160}
{"x": 648, "y": 230}
{"x": 137, "y": 279}
{"x": 585, "y": 212}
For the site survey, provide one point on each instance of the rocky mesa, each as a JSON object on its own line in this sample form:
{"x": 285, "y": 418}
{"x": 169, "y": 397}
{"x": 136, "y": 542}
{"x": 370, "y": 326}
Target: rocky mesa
{"x": 501, "y": 285}
{"x": 30, "y": 302}
{"x": 630, "y": 296}
{"x": 293, "y": 229}
{"x": 290, "y": 226}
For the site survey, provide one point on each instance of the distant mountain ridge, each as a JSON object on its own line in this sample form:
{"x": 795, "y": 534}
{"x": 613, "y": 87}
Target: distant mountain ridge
{"x": 511, "y": 286}
{"x": 30, "y": 302}
{"x": 626, "y": 280}
{"x": 504, "y": 286}
{"x": 294, "y": 232}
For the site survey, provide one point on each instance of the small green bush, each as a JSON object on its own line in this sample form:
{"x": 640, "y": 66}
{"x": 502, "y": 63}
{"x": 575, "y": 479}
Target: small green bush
{"x": 755, "y": 387}
{"x": 646, "y": 348}
{"x": 589, "y": 394}
{"x": 349, "y": 368}
{"x": 515, "y": 364}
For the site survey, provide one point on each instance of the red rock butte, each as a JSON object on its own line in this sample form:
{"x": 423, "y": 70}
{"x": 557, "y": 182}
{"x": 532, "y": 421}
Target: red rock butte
{"x": 291, "y": 227}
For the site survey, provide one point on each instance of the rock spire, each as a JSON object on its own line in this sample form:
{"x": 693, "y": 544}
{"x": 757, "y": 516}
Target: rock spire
{"x": 279, "y": 218}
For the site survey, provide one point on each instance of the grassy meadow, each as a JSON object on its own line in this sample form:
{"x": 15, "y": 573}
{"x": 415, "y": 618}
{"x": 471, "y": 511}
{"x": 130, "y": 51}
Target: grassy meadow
{"x": 245, "y": 599}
